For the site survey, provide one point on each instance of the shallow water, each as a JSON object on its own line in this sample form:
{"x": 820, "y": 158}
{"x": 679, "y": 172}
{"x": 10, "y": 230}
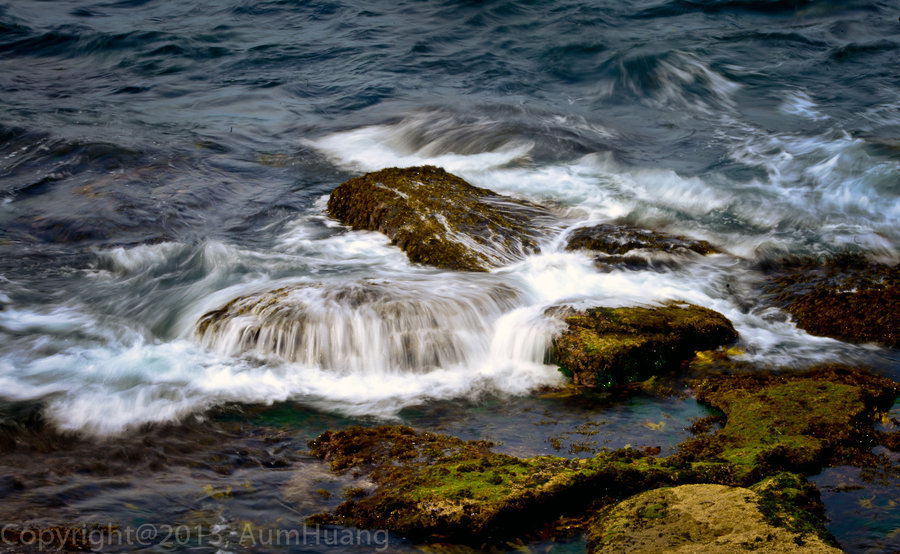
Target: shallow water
{"x": 158, "y": 161}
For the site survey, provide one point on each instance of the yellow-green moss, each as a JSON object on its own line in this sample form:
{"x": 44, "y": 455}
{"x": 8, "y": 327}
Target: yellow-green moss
{"x": 793, "y": 421}
{"x": 439, "y": 487}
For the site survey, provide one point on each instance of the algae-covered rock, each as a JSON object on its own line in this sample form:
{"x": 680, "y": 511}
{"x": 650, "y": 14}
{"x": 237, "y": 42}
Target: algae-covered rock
{"x": 696, "y": 518}
{"x": 847, "y": 298}
{"x": 439, "y": 219}
{"x": 435, "y": 486}
{"x": 605, "y": 347}
{"x": 794, "y": 422}
{"x": 621, "y": 239}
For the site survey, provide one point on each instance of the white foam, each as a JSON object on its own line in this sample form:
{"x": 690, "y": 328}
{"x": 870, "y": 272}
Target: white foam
{"x": 799, "y": 103}
{"x": 379, "y": 146}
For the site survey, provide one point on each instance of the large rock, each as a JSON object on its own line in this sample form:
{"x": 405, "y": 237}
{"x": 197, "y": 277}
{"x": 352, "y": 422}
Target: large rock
{"x": 697, "y": 518}
{"x": 847, "y": 298}
{"x": 605, "y": 347}
{"x": 438, "y": 488}
{"x": 439, "y": 219}
{"x": 371, "y": 325}
{"x": 434, "y": 487}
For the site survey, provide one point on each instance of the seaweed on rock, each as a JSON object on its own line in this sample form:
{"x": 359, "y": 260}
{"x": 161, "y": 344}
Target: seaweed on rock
{"x": 439, "y": 219}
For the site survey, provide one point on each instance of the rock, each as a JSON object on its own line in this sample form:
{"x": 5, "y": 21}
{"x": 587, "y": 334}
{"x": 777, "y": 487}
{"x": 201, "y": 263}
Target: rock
{"x": 791, "y": 421}
{"x": 616, "y": 246}
{"x": 696, "y": 518}
{"x": 606, "y": 347}
{"x": 439, "y": 219}
{"x": 435, "y": 487}
{"x": 846, "y": 298}
{"x": 403, "y": 325}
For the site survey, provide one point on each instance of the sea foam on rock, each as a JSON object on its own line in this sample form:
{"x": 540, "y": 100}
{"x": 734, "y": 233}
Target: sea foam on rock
{"x": 439, "y": 219}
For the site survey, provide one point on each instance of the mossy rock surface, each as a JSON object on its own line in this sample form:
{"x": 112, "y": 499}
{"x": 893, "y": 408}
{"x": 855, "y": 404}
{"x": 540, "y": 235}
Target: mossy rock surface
{"x": 435, "y": 487}
{"x": 606, "y": 347}
{"x": 439, "y": 219}
{"x": 697, "y": 518}
{"x": 847, "y": 298}
{"x": 620, "y": 239}
{"x": 793, "y": 421}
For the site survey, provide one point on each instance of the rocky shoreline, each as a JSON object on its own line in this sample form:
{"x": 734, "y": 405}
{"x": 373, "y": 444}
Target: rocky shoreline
{"x": 740, "y": 483}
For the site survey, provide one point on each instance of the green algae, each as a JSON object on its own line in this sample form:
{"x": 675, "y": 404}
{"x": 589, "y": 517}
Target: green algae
{"x": 789, "y": 501}
{"x": 777, "y": 427}
{"x": 438, "y": 218}
{"x": 791, "y": 421}
{"x": 607, "y": 347}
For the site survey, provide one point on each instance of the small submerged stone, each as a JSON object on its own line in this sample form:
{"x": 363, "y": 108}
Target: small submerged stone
{"x": 606, "y": 347}
{"x": 633, "y": 248}
{"x": 439, "y": 219}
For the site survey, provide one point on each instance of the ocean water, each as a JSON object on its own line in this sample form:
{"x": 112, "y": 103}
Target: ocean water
{"x": 159, "y": 160}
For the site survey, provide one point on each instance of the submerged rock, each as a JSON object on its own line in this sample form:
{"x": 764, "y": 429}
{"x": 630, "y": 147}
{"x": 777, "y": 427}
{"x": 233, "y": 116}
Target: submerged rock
{"x": 847, "y": 298}
{"x": 621, "y": 239}
{"x": 365, "y": 326}
{"x": 605, "y": 347}
{"x": 698, "y": 518}
{"x": 439, "y": 219}
{"x": 633, "y": 248}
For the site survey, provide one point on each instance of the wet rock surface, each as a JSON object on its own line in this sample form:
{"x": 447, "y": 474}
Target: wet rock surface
{"x": 696, "y": 518}
{"x": 775, "y": 428}
{"x": 620, "y": 239}
{"x": 408, "y": 326}
{"x": 439, "y": 219}
{"x": 793, "y": 421}
{"x": 847, "y": 297}
{"x": 605, "y": 347}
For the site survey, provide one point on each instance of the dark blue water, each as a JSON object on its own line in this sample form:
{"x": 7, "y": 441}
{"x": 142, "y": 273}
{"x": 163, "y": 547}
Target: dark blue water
{"x": 158, "y": 159}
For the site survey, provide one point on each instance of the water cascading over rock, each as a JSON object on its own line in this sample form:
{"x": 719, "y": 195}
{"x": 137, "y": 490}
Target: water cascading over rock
{"x": 361, "y": 326}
